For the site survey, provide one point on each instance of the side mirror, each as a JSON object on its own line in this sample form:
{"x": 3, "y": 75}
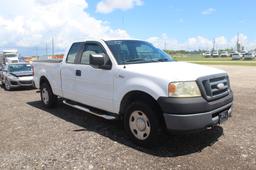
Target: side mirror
{"x": 97, "y": 60}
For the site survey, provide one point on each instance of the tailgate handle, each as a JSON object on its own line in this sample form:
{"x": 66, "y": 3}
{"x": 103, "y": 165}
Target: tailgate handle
{"x": 78, "y": 72}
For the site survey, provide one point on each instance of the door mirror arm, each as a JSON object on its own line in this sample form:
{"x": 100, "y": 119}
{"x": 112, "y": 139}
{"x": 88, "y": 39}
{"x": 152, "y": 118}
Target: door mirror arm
{"x": 106, "y": 67}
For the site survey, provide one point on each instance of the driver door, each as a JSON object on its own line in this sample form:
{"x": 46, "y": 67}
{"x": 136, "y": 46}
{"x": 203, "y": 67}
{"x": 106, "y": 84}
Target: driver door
{"x": 94, "y": 86}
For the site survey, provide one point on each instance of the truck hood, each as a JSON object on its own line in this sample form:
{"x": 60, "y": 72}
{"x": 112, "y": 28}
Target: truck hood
{"x": 173, "y": 71}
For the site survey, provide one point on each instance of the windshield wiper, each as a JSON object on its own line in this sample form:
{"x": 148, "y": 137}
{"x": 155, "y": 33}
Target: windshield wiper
{"x": 134, "y": 60}
{"x": 160, "y": 60}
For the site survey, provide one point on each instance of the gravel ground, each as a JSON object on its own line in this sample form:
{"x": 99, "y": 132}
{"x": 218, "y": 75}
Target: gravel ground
{"x": 32, "y": 137}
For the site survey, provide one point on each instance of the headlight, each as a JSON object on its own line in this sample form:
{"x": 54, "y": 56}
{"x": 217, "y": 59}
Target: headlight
{"x": 183, "y": 89}
{"x": 12, "y": 77}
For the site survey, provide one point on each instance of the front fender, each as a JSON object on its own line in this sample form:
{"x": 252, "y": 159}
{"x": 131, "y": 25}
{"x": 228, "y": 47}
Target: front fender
{"x": 148, "y": 86}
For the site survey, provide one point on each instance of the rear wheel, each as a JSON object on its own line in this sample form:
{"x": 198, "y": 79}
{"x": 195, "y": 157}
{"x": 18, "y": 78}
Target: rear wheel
{"x": 47, "y": 97}
{"x": 142, "y": 123}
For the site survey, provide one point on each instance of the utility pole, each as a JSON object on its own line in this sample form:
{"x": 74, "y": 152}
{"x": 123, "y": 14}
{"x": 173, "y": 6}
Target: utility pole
{"x": 36, "y": 51}
{"x": 213, "y": 43}
{"x": 52, "y": 46}
{"x": 46, "y": 50}
{"x": 238, "y": 45}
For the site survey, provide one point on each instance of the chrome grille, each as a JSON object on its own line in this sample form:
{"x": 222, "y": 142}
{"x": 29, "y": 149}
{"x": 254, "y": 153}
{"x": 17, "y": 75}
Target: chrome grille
{"x": 214, "y": 87}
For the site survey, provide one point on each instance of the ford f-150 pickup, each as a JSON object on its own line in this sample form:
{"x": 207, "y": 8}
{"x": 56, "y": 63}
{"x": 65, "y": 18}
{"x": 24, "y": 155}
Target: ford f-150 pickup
{"x": 135, "y": 82}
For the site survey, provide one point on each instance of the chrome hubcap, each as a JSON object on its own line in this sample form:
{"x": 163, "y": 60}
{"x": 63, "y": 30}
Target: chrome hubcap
{"x": 45, "y": 96}
{"x": 7, "y": 85}
{"x": 139, "y": 125}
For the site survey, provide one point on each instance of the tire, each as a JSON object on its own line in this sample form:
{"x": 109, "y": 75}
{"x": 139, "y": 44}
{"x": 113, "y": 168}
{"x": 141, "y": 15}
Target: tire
{"x": 2, "y": 83}
{"x": 142, "y": 124}
{"x": 7, "y": 85}
{"x": 47, "y": 97}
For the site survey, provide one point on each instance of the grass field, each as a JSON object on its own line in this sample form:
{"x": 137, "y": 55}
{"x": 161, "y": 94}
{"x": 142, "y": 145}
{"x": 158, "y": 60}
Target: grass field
{"x": 213, "y": 61}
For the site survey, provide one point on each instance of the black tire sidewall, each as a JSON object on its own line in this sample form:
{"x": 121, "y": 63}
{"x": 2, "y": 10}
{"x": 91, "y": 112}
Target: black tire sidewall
{"x": 150, "y": 112}
{"x": 52, "y": 98}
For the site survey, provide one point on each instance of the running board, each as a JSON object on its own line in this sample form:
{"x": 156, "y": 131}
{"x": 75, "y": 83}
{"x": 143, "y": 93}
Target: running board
{"x": 105, "y": 116}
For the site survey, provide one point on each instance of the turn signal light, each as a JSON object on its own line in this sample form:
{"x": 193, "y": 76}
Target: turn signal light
{"x": 171, "y": 88}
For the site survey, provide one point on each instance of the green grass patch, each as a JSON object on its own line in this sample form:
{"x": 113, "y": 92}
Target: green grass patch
{"x": 199, "y": 59}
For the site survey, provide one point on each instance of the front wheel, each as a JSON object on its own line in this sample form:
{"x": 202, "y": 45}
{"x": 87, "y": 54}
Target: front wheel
{"x": 142, "y": 123}
{"x": 47, "y": 97}
{"x": 7, "y": 85}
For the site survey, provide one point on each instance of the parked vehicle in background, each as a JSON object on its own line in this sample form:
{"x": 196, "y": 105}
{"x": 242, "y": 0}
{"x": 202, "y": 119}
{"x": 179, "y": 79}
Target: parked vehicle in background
{"x": 9, "y": 57}
{"x": 243, "y": 53}
{"x": 17, "y": 75}
{"x": 249, "y": 55}
{"x": 215, "y": 53}
{"x": 224, "y": 54}
{"x": 237, "y": 56}
{"x": 207, "y": 54}
{"x": 133, "y": 81}
{"x": 1, "y": 71}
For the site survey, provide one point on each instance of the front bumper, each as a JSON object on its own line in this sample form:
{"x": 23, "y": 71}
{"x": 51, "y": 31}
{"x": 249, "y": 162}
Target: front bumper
{"x": 185, "y": 114}
{"x": 21, "y": 83}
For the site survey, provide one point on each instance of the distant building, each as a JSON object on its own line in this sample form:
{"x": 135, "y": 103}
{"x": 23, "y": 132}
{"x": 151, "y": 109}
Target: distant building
{"x": 56, "y": 57}
{"x": 29, "y": 59}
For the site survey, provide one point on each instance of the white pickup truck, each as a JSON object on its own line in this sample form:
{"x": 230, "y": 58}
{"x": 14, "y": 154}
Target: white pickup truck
{"x": 135, "y": 82}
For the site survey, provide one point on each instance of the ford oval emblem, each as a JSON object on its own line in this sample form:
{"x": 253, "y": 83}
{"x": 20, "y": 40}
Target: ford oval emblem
{"x": 220, "y": 86}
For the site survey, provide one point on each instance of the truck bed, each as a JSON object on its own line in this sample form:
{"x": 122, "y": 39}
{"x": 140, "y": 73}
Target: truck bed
{"x": 49, "y": 69}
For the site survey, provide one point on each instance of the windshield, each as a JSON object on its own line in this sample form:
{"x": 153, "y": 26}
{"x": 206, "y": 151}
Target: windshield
{"x": 10, "y": 55}
{"x": 133, "y": 52}
{"x": 19, "y": 67}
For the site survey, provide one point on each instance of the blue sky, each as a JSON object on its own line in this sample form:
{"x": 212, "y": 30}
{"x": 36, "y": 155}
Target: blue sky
{"x": 183, "y": 18}
{"x": 179, "y": 24}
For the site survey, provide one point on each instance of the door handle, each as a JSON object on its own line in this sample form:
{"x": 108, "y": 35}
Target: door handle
{"x": 78, "y": 73}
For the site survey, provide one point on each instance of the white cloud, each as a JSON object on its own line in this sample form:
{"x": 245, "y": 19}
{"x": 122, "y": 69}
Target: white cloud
{"x": 107, "y": 6}
{"x": 200, "y": 42}
{"x": 191, "y": 43}
{"x": 208, "y": 11}
{"x": 32, "y": 22}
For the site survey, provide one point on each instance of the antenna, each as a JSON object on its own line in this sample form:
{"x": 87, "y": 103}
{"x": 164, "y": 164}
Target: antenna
{"x": 123, "y": 21}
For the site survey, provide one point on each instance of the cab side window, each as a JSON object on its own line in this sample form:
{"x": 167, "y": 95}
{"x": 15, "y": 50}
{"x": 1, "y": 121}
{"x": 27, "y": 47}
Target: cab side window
{"x": 73, "y": 53}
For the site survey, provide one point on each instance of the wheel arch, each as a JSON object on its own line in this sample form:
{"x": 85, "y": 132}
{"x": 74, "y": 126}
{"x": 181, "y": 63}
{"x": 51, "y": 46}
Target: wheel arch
{"x": 137, "y": 95}
{"x": 141, "y": 96}
{"x": 43, "y": 79}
